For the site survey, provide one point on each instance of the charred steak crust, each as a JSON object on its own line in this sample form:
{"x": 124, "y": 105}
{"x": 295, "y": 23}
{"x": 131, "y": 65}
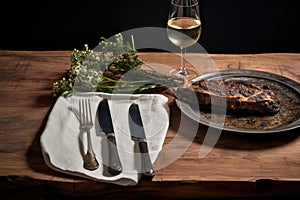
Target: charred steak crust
{"x": 240, "y": 96}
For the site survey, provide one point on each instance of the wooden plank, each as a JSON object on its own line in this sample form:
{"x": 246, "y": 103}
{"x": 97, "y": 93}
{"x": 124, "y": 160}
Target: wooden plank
{"x": 285, "y": 64}
{"x": 237, "y": 162}
{"x": 21, "y": 71}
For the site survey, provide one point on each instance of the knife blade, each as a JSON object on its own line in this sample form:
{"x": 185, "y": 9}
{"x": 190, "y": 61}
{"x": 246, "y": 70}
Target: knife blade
{"x": 138, "y": 135}
{"x": 105, "y": 121}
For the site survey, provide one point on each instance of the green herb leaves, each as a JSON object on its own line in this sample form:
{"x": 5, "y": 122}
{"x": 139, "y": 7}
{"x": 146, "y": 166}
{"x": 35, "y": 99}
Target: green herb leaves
{"x": 112, "y": 67}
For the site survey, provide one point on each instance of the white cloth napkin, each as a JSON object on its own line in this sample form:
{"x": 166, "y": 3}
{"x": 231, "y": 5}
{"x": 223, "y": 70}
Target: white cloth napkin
{"x": 63, "y": 145}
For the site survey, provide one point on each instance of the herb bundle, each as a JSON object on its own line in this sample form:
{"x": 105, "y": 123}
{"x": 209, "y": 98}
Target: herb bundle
{"x": 112, "y": 67}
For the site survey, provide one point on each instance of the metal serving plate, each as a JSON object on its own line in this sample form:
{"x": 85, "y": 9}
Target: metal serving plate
{"x": 287, "y": 91}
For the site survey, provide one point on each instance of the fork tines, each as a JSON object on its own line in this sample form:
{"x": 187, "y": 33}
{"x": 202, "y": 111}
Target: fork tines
{"x": 85, "y": 116}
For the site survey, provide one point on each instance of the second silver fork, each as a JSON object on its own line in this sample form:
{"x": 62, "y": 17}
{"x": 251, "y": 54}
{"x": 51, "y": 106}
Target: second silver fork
{"x": 86, "y": 123}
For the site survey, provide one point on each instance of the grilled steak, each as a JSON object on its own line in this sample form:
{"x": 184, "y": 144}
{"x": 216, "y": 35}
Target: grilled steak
{"x": 238, "y": 96}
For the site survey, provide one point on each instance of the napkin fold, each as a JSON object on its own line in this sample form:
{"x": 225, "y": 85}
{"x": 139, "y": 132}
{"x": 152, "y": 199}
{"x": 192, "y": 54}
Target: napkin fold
{"x": 63, "y": 144}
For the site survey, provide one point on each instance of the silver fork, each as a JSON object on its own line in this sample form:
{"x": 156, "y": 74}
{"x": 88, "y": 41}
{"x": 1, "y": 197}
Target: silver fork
{"x": 86, "y": 123}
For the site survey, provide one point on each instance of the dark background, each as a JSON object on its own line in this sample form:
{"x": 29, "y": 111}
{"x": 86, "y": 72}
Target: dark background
{"x": 229, "y": 26}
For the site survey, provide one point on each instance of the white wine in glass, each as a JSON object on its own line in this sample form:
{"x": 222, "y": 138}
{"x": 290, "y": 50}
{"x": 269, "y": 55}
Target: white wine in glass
{"x": 184, "y": 27}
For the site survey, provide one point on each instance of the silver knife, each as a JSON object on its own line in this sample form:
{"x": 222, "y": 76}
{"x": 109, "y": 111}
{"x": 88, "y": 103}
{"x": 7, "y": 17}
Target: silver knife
{"x": 105, "y": 121}
{"x": 138, "y": 135}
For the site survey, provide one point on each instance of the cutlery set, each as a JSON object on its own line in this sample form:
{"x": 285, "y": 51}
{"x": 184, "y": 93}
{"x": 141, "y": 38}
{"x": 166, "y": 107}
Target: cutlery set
{"x": 138, "y": 135}
{"x": 105, "y": 121}
{"x": 86, "y": 123}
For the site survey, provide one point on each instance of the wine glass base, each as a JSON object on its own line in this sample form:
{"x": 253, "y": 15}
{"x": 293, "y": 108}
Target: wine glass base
{"x": 183, "y": 72}
{"x": 187, "y": 74}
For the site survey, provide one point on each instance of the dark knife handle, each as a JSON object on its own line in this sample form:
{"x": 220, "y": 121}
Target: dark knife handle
{"x": 147, "y": 167}
{"x": 114, "y": 162}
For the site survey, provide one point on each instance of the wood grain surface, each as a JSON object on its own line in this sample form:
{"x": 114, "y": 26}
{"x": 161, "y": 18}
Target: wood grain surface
{"x": 239, "y": 165}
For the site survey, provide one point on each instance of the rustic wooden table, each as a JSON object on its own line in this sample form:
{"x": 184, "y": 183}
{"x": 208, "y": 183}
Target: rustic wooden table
{"x": 239, "y": 165}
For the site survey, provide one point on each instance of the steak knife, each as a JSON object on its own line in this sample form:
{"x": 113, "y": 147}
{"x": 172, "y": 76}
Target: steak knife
{"x": 138, "y": 135}
{"x": 105, "y": 121}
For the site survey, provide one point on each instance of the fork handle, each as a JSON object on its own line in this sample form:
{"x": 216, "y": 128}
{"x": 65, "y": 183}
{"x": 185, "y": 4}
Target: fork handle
{"x": 89, "y": 142}
{"x": 114, "y": 163}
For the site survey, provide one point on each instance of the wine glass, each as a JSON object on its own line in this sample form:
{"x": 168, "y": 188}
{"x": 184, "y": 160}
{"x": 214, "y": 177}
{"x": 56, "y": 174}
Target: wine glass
{"x": 183, "y": 28}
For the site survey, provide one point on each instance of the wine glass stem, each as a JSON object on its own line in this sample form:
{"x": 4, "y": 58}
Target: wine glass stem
{"x": 182, "y": 58}
{"x": 182, "y": 66}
